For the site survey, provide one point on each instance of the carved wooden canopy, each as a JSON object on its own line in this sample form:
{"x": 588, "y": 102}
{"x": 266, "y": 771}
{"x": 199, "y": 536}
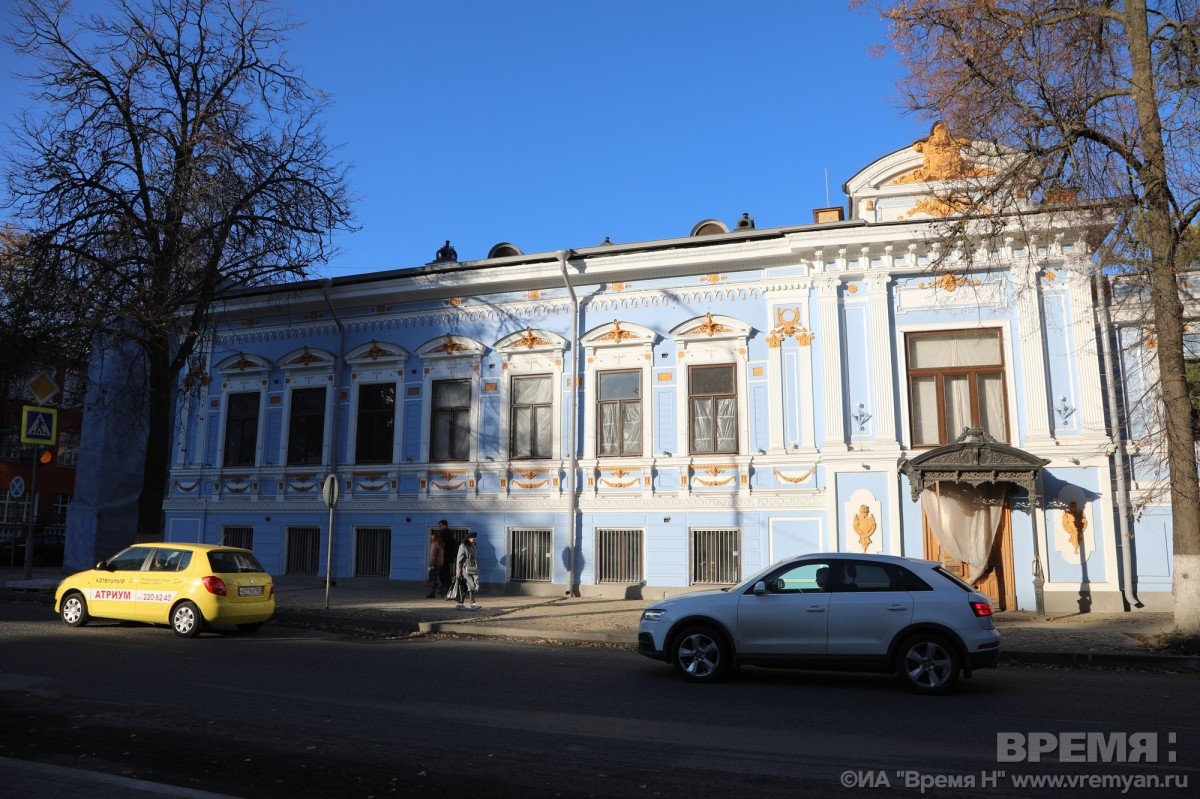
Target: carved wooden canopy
{"x": 975, "y": 458}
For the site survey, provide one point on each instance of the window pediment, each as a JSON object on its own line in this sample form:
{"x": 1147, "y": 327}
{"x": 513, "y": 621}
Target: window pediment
{"x": 307, "y": 359}
{"x": 712, "y": 327}
{"x": 379, "y": 354}
{"x": 450, "y": 346}
{"x": 244, "y": 365}
{"x": 618, "y": 334}
{"x": 530, "y": 340}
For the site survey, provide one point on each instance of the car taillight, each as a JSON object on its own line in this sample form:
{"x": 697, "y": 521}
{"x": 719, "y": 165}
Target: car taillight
{"x": 981, "y": 608}
{"x": 214, "y": 585}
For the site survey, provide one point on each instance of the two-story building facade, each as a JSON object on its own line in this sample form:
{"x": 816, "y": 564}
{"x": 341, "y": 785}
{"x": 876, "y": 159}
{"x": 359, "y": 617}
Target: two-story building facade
{"x": 638, "y": 419}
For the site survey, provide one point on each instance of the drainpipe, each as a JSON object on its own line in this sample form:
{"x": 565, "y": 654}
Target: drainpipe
{"x": 572, "y": 437}
{"x": 333, "y": 433}
{"x": 1117, "y": 437}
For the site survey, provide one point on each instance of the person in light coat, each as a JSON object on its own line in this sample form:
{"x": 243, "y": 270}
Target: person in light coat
{"x": 466, "y": 566}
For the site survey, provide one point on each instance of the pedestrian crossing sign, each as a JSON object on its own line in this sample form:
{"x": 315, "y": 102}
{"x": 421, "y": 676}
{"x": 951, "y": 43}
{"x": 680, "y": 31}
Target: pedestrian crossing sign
{"x": 39, "y": 425}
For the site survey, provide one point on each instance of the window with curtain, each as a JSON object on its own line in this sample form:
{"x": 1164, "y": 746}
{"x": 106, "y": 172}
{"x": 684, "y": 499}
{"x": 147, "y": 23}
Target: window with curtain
{"x": 956, "y": 380}
{"x": 450, "y": 436}
{"x": 376, "y": 423}
{"x": 712, "y": 398}
{"x": 619, "y": 413}
{"x": 306, "y": 426}
{"x": 531, "y": 430}
{"x": 241, "y": 428}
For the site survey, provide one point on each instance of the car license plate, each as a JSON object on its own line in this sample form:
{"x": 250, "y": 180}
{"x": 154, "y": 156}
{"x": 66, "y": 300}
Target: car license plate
{"x": 250, "y": 590}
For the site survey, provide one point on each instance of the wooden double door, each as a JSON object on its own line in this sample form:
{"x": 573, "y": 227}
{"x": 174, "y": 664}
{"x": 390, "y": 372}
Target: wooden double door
{"x": 998, "y": 583}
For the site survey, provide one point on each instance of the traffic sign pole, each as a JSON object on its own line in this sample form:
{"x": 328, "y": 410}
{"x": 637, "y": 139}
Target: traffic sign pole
{"x": 37, "y": 456}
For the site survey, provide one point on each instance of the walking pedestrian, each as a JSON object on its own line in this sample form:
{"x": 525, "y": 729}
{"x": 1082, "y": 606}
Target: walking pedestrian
{"x": 466, "y": 566}
{"x": 437, "y": 558}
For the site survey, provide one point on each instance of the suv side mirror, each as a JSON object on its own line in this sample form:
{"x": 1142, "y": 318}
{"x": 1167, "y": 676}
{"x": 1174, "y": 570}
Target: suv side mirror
{"x": 760, "y": 587}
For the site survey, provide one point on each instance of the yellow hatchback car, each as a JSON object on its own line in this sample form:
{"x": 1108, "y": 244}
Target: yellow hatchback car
{"x": 187, "y": 586}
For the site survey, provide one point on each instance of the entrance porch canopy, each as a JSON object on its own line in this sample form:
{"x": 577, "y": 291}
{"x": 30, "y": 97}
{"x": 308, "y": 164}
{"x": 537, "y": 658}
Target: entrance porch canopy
{"x": 975, "y": 458}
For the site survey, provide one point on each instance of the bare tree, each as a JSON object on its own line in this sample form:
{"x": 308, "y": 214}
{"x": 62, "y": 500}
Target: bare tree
{"x": 170, "y": 152}
{"x": 41, "y": 316}
{"x": 1099, "y": 98}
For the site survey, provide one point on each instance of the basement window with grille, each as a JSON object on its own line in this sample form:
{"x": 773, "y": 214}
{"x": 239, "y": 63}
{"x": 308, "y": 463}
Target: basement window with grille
{"x": 303, "y": 550}
{"x": 372, "y": 551}
{"x": 714, "y": 557}
{"x": 238, "y": 537}
{"x": 619, "y": 556}
{"x": 530, "y": 554}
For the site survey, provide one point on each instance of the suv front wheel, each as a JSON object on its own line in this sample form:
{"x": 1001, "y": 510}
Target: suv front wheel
{"x": 701, "y": 654}
{"x": 928, "y": 663}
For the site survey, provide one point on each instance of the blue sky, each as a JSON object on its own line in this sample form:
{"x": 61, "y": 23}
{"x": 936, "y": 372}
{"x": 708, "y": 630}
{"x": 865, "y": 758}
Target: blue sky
{"x": 555, "y": 124}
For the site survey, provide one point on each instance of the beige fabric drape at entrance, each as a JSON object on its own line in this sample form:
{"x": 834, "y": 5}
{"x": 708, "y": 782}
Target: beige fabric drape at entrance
{"x": 965, "y": 519}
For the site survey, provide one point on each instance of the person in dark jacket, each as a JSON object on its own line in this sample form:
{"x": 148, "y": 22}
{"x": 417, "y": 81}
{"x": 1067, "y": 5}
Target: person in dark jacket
{"x": 466, "y": 566}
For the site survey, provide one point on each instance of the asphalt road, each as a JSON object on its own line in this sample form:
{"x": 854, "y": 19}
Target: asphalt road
{"x": 302, "y": 713}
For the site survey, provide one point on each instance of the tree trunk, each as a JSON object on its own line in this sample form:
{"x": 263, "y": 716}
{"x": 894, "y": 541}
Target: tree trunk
{"x": 1169, "y": 324}
{"x": 158, "y": 442}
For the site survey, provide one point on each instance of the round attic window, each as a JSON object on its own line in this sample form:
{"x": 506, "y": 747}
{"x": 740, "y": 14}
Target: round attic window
{"x": 709, "y": 227}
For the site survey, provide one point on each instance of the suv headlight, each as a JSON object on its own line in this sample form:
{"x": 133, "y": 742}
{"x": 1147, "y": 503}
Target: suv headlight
{"x": 653, "y": 614}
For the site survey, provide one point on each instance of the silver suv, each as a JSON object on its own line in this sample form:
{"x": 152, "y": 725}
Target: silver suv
{"x": 830, "y": 611}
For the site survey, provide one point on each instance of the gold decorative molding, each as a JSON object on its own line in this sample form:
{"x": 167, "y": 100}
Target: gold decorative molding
{"x": 604, "y": 481}
{"x": 616, "y": 334}
{"x": 531, "y": 486}
{"x": 787, "y": 478}
{"x": 942, "y": 158}
{"x": 949, "y": 282}
{"x": 716, "y": 471}
{"x": 307, "y": 358}
{"x": 713, "y": 278}
{"x": 243, "y": 363}
{"x": 1051, "y": 277}
{"x": 709, "y": 327}
{"x": 182, "y": 487}
{"x": 787, "y": 323}
{"x": 529, "y": 340}
{"x": 452, "y": 487}
{"x": 376, "y": 352}
{"x": 864, "y": 526}
{"x": 1074, "y": 523}
{"x": 451, "y": 346}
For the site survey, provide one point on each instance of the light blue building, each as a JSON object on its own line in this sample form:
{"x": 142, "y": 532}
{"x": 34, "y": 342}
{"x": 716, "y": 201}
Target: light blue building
{"x": 638, "y": 419}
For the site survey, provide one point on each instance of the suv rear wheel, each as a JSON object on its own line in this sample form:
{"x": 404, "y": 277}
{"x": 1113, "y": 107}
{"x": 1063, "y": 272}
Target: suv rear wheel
{"x": 928, "y": 663}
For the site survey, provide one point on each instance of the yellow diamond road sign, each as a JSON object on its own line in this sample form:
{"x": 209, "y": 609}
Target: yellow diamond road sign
{"x": 43, "y": 387}
{"x": 39, "y": 425}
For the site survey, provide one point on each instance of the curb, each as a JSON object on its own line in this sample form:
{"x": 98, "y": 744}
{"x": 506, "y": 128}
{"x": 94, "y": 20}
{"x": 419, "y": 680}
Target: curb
{"x": 1163, "y": 662}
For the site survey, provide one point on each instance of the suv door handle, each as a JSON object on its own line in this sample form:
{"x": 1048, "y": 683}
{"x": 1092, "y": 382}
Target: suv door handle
{"x": 815, "y": 608}
{"x": 897, "y": 606}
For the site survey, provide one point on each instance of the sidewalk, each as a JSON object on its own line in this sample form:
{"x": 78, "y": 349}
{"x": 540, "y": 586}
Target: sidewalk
{"x": 374, "y": 607}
